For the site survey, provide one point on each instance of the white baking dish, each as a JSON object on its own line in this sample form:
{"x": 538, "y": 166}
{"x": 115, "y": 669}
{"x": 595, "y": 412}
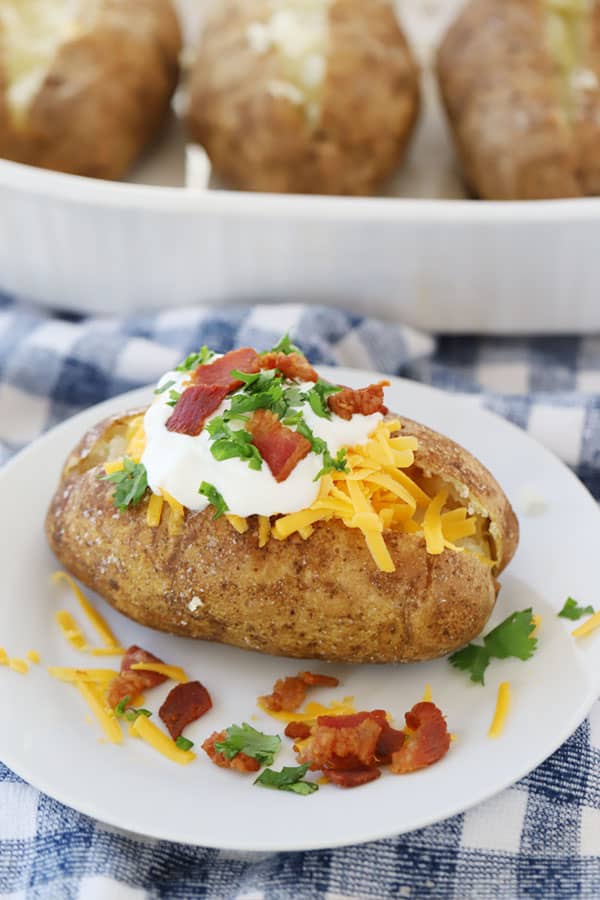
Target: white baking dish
{"x": 440, "y": 264}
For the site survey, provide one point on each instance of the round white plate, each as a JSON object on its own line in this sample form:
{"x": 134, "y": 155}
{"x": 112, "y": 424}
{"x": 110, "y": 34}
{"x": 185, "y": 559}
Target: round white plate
{"x": 48, "y": 738}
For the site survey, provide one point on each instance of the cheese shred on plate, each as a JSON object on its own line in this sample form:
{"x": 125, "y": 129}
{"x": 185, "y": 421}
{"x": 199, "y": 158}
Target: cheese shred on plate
{"x": 588, "y": 626}
{"x": 96, "y": 620}
{"x": 501, "y": 711}
{"x": 93, "y": 696}
{"x": 175, "y": 673}
{"x": 148, "y": 731}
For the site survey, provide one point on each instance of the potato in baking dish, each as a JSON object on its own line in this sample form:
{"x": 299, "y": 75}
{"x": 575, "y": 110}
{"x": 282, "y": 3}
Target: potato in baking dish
{"x": 335, "y": 532}
{"x": 520, "y": 80}
{"x": 304, "y": 96}
{"x": 85, "y": 85}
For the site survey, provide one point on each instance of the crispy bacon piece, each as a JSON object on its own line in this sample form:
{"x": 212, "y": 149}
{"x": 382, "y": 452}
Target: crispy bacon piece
{"x": 350, "y": 778}
{"x": 292, "y": 365}
{"x": 289, "y": 693}
{"x": 429, "y": 743}
{"x": 194, "y": 407}
{"x": 390, "y": 740}
{"x": 219, "y": 372}
{"x": 241, "y": 762}
{"x": 184, "y": 704}
{"x": 131, "y": 683}
{"x": 364, "y": 401}
{"x": 344, "y": 742}
{"x": 299, "y": 731}
{"x": 280, "y": 447}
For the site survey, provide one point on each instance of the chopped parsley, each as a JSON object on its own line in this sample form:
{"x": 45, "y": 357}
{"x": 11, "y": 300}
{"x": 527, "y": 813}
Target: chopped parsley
{"x": 213, "y": 497}
{"x": 130, "y": 484}
{"x": 571, "y": 610}
{"x": 123, "y": 711}
{"x": 245, "y": 739}
{"x": 183, "y": 743}
{"x": 164, "y": 387}
{"x": 284, "y": 345}
{"x": 512, "y": 638}
{"x": 337, "y": 463}
{"x": 173, "y": 398}
{"x": 203, "y": 356}
{"x": 317, "y": 398}
{"x": 288, "y": 779}
{"x": 230, "y": 444}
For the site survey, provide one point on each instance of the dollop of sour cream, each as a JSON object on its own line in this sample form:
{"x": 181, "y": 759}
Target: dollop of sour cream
{"x": 179, "y": 463}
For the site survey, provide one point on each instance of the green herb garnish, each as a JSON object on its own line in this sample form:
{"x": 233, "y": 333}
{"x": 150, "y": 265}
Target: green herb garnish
{"x": 123, "y": 711}
{"x": 571, "y": 610}
{"x": 173, "y": 398}
{"x": 245, "y": 739}
{"x": 130, "y": 484}
{"x": 288, "y": 779}
{"x": 213, "y": 497}
{"x": 512, "y": 638}
{"x": 284, "y": 345}
{"x": 317, "y": 398}
{"x": 194, "y": 360}
{"x": 337, "y": 463}
{"x": 164, "y": 387}
{"x": 229, "y": 443}
{"x": 183, "y": 743}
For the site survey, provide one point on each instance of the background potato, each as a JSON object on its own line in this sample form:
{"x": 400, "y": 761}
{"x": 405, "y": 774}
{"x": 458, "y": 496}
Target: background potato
{"x": 320, "y": 598}
{"x": 351, "y": 132}
{"x": 106, "y": 91}
{"x": 520, "y": 82}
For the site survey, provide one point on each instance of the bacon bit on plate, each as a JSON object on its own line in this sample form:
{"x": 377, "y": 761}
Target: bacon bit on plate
{"x": 429, "y": 742}
{"x": 280, "y": 447}
{"x": 353, "y": 777}
{"x": 365, "y": 401}
{"x": 241, "y": 762}
{"x": 344, "y": 742}
{"x": 299, "y": 731}
{"x": 390, "y": 740}
{"x": 131, "y": 683}
{"x": 194, "y": 407}
{"x": 291, "y": 365}
{"x": 219, "y": 372}
{"x": 184, "y": 704}
{"x": 289, "y": 693}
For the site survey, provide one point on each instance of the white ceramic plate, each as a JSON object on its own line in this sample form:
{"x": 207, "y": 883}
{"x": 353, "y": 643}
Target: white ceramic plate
{"x": 47, "y": 740}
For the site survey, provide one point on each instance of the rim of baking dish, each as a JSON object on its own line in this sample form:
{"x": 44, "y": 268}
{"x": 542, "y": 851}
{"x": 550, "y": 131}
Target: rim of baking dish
{"x": 82, "y": 190}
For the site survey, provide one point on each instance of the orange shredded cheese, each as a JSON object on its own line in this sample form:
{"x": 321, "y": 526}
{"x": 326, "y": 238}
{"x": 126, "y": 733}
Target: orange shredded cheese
{"x": 264, "y": 530}
{"x": 176, "y": 516}
{"x": 537, "y": 621}
{"x": 238, "y": 522}
{"x": 427, "y": 694}
{"x": 106, "y": 651}
{"x": 33, "y": 656}
{"x": 3, "y": 657}
{"x": 96, "y": 676}
{"x": 103, "y": 713}
{"x": 154, "y": 511}
{"x": 148, "y": 731}
{"x": 588, "y": 626}
{"x": 70, "y": 629}
{"x": 432, "y": 524}
{"x": 116, "y": 465}
{"x": 18, "y": 665}
{"x": 96, "y": 620}
{"x": 175, "y": 673}
{"x": 501, "y": 711}
{"x": 137, "y": 441}
{"x": 311, "y": 710}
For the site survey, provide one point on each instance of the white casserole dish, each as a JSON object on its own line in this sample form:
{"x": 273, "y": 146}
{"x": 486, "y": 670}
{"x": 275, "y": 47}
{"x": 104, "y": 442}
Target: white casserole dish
{"x": 158, "y": 241}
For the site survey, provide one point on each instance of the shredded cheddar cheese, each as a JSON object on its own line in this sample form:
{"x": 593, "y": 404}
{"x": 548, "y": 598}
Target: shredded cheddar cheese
{"x": 106, "y": 651}
{"x": 175, "y": 673}
{"x": 33, "y": 656}
{"x": 176, "y": 514}
{"x": 116, "y": 465}
{"x": 427, "y": 694}
{"x": 154, "y": 511}
{"x": 96, "y": 620}
{"x": 264, "y": 530}
{"x": 18, "y": 665}
{"x": 70, "y": 629}
{"x": 588, "y": 626}
{"x": 3, "y": 657}
{"x": 96, "y": 676}
{"x": 312, "y": 710}
{"x": 147, "y": 730}
{"x": 103, "y": 713}
{"x": 501, "y": 711}
{"x": 137, "y": 441}
{"x": 238, "y": 522}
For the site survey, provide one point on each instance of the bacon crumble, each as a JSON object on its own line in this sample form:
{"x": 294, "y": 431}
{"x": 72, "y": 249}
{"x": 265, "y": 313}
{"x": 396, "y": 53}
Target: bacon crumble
{"x": 364, "y": 401}
{"x": 291, "y": 365}
{"x": 130, "y": 683}
{"x": 194, "y": 407}
{"x": 241, "y": 762}
{"x": 429, "y": 742}
{"x": 288, "y": 693}
{"x": 184, "y": 704}
{"x": 280, "y": 447}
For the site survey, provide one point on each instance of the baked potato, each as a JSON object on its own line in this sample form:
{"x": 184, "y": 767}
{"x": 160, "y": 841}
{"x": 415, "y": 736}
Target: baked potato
{"x": 303, "y": 97}
{"x": 520, "y": 83}
{"x": 392, "y": 562}
{"x": 85, "y": 86}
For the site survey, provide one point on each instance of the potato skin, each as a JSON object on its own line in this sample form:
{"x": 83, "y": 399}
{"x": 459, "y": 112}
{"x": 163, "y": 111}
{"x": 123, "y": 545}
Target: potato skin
{"x": 322, "y": 598}
{"x": 505, "y": 103}
{"x": 106, "y": 95}
{"x": 260, "y": 142}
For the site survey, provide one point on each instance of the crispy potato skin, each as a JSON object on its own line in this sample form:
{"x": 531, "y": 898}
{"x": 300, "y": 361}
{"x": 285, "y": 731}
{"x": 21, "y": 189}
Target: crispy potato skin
{"x": 256, "y": 141}
{"x": 106, "y": 95}
{"x": 515, "y": 136}
{"x": 322, "y": 598}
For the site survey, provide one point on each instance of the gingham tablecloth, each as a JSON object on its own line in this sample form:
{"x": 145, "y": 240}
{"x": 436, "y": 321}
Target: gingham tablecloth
{"x": 539, "y": 839}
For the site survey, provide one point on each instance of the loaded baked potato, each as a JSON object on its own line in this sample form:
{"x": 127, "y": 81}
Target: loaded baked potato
{"x": 520, "y": 83}
{"x": 277, "y": 512}
{"x": 306, "y": 97}
{"x": 85, "y": 86}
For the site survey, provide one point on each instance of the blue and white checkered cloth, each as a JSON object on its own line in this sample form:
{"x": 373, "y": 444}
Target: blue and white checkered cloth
{"x": 539, "y": 839}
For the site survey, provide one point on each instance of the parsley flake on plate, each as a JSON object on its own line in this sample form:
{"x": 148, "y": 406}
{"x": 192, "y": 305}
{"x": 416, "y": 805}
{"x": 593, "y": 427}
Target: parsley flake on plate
{"x": 130, "y": 484}
{"x": 288, "y": 779}
{"x": 214, "y": 498}
{"x": 246, "y": 739}
{"x": 572, "y": 610}
{"x": 284, "y": 345}
{"x": 184, "y": 743}
{"x": 203, "y": 356}
{"x": 123, "y": 711}
{"x": 511, "y": 638}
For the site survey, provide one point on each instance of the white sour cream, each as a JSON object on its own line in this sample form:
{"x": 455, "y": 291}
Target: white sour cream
{"x": 179, "y": 463}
